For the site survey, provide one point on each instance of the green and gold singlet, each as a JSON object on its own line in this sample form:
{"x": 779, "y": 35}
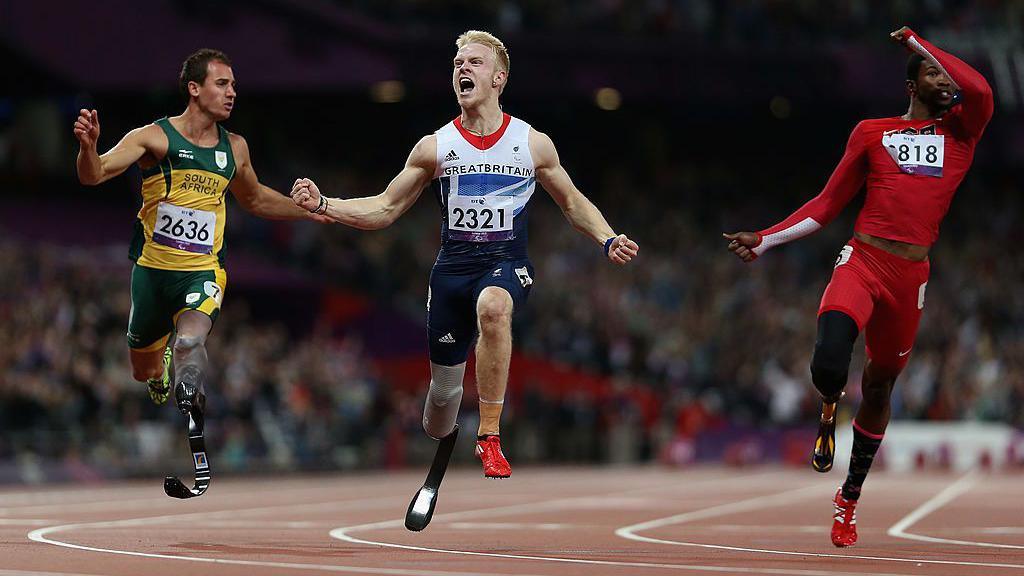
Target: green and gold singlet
{"x": 181, "y": 223}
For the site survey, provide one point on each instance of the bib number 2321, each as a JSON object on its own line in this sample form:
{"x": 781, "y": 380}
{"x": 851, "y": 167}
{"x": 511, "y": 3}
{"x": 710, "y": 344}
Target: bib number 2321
{"x": 917, "y": 153}
{"x": 186, "y": 229}
{"x": 480, "y": 218}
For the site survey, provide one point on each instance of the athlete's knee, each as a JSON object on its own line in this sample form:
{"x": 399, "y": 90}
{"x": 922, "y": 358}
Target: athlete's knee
{"x": 830, "y": 365}
{"x": 143, "y": 373}
{"x": 494, "y": 308}
{"x": 878, "y": 383}
{"x": 146, "y": 366}
{"x": 441, "y": 409}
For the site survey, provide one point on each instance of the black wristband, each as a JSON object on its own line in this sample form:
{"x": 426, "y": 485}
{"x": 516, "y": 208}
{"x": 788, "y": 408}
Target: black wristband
{"x": 321, "y": 207}
{"x": 608, "y": 244}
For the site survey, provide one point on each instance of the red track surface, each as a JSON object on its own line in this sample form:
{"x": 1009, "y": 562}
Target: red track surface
{"x": 546, "y": 522}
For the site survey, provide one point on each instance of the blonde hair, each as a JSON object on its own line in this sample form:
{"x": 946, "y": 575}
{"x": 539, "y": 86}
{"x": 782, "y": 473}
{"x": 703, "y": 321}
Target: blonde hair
{"x": 489, "y": 40}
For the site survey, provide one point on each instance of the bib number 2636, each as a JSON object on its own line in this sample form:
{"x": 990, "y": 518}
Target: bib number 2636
{"x": 186, "y": 229}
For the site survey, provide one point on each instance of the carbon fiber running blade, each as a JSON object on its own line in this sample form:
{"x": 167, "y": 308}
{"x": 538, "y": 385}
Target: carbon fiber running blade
{"x": 825, "y": 443}
{"x": 175, "y": 489}
{"x": 421, "y": 509}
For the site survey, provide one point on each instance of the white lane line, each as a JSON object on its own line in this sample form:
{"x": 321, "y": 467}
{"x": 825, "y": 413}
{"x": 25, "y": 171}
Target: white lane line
{"x": 950, "y": 493}
{"x": 755, "y": 503}
{"x": 608, "y": 500}
{"x": 41, "y": 534}
{"x": 343, "y": 533}
{"x": 629, "y": 532}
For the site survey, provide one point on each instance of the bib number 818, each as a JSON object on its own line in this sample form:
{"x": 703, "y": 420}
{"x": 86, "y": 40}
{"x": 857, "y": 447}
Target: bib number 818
{"x": 482, "y": 219}
{"x": 189, "y": 230}
{"x": 931, "y": 153}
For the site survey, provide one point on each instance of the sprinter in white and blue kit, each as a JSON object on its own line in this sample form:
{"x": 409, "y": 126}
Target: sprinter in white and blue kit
{"x": 487, "y": 164}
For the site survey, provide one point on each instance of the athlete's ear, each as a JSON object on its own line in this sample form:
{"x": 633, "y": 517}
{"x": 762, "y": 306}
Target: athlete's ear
{"x": 193, "y": 89}
{"x": 911, "y": 88}
{"x": 499, "y": 78}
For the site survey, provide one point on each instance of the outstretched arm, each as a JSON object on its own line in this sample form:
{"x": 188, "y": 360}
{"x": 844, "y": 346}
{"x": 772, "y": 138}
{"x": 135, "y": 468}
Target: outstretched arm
{"x": 380, "y": 211}
{"x": 842, "y": 186}
{"x": 256, "y": 198}
{"x": 578, "y": 210}
{"x": 93, "y": 168}
{"x": 977, "y": 103}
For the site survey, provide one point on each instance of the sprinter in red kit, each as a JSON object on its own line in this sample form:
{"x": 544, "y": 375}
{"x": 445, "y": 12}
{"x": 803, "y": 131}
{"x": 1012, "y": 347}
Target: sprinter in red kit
{"x": 911, "y": 165}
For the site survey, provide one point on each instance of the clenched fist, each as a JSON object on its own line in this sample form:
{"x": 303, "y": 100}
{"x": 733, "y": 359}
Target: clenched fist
{"x": 305, "y": 194}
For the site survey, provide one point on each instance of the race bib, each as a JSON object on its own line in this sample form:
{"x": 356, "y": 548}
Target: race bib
{"x": 187, "y": 229}
{"x": 916, "y": 153}
{"x": 480, "y": 218}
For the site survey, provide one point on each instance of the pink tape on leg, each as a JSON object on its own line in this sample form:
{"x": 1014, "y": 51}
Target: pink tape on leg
{"x": 871, "y": 435}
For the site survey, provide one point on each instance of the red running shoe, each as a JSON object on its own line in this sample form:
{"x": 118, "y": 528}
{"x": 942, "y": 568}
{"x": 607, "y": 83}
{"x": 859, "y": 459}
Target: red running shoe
{"x": 844, "y": 522}
{"x": 488, "y": 451}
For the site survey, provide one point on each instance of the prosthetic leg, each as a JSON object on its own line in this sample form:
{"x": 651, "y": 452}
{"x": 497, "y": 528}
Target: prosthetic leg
{"x": 192, "y": 403}
{"x": 421, "y": 509}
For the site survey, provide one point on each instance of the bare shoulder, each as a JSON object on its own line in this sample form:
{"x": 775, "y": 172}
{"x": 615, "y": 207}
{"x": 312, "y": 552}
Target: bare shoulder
{"x": 424, "y": 153}
{"x": 542, "y": 148}
{"x": 149, "y": 136}
{"x": 239, "y": 148}
{"x": 238, "y": 143}
{"x": 152, "y": 139}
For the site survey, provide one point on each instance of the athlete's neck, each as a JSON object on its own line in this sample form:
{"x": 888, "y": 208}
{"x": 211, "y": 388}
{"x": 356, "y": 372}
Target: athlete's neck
{"x": 197, "y": 127}
{"x": 483, "y": 120}
{"x": 918, "y": 110}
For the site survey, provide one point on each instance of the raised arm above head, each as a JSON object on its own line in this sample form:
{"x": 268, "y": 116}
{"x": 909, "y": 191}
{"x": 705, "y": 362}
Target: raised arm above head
{"x": 976, "y": 100}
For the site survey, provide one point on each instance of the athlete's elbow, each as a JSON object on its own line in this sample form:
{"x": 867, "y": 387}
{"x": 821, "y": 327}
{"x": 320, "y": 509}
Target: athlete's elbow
{"x": 578, "y": 214}
{"x": 253, "y": 205}
{"x": 88, "y": 179}
{"x": 385, "y": 217}
{"x": 380, "y": 223}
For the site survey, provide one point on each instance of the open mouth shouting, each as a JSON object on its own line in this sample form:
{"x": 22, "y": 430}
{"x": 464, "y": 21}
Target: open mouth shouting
{"x": 466, "y": 85}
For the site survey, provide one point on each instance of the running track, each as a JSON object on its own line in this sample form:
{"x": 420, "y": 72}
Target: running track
{"x": 542, "y": 521}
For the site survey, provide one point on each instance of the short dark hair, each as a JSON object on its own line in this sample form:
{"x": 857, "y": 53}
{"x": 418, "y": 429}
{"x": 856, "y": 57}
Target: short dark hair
{"x": 914, "y": 66}
{"x": 195, "y": 67}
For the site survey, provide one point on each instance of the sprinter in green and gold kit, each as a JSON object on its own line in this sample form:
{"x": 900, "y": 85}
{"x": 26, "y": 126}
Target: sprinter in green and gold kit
{"x": 189, "y": 163}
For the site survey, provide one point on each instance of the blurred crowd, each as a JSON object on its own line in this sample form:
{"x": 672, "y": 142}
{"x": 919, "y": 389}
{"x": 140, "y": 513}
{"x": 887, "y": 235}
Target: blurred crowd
{"x": 681, "y": 344}
{"x": 731, "y": 22}
{"x": 715, "y": 342}
{"x": 65, "y": 390}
